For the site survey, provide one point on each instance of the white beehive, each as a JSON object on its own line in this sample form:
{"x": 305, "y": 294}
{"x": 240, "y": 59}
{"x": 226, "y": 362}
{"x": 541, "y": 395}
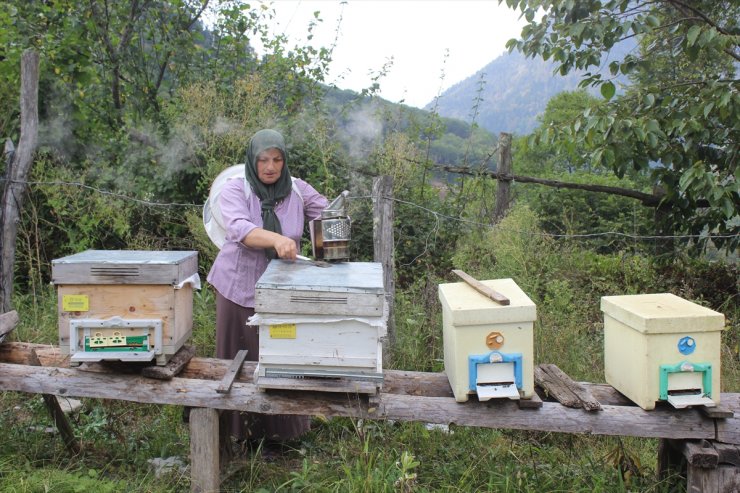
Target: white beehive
{"x": 125, "y": 305}
{"x": 660, "y": 347}
{"x": 488, "y": 347}
{"x": 320, "y": 323}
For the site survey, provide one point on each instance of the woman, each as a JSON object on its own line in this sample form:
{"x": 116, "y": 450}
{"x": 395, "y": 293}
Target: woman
{"x": 261, "y": 225}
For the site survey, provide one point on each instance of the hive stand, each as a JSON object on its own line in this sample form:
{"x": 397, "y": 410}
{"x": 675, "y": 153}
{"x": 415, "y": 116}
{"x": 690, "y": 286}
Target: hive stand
{"x": 709, "y": 466}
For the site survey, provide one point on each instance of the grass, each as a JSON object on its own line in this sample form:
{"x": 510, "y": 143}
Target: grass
{"x": 338, "y": 455}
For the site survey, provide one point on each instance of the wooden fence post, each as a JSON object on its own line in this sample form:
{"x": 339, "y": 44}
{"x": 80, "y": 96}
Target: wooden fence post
{"x": 503, "y": 169}
{"x": 17, "y": 173}
{"x": 383, "y": 244}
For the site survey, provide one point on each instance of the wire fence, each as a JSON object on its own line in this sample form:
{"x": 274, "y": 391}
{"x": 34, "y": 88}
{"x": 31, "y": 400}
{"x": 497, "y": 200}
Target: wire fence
{"x": 438, "y": 216}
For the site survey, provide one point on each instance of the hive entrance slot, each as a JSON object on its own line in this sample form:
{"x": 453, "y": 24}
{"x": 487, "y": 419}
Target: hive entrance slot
{"x": 114, "y": 271}
{"x": 680, "y": 392}
{"x": 491, "y": 384}
{"x": 319, "y": 299}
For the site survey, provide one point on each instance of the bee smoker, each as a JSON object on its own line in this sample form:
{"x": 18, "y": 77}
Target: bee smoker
{"x": 330, "y": 234}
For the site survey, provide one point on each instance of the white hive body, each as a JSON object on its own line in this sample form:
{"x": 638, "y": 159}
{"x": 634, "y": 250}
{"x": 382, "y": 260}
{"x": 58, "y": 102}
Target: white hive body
{"x": 660, "y": 347}
{"x": 488, "y": 347}
{"x": 125, "y": 305}
{"x": 320, "y": 323}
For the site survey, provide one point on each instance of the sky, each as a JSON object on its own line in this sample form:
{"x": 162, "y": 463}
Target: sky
{"x": 433, "y": 44}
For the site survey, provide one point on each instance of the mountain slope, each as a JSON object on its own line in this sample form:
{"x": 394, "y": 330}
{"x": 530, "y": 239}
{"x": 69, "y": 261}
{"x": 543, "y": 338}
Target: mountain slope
{"x": 515, "y": 91}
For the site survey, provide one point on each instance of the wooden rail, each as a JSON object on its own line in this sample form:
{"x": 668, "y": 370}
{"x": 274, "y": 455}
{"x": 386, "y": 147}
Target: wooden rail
{"x": 406, "y": 396}
{"x": 409, "y": 396}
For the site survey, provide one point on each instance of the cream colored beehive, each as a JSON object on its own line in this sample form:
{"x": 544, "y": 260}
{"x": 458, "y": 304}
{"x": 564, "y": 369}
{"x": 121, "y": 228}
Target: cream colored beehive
{"x": 125, "y": 305}
{"x": 660, "y": 347}
{"x": 488, "y": 347}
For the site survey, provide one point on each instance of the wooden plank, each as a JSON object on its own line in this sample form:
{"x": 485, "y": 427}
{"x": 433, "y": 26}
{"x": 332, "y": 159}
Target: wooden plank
{"x": 172, "y": 367}
{"x": 60, "y": 419}
{"x": 728, "y": 430}
{"x": 225, "y": 386}
{"x": 588, "y": 402}
{"x": 613, "y": 420}
{"x": 533, "y": 402}
{"x": 728, "y": 454}
{"x": 700, "y": 454}
{"x": 318, "y": 385}
{"x": 204, "y": 454}
{"x": 555, "y": 388}
{"x": 482, "y": 288}
{"x": 717, "y": 412}
{"x": 722, "y": 479}
{"x": 416, "y": 383}
{"x": 8, "y": 321}
{"x": 606, "y": 394}
{"x": 396, "y": 381}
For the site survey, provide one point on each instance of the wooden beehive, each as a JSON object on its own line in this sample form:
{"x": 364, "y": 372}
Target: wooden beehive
{"x": 126, "y": 305}
{"x": 488, "y": 347}
{"x": 660, "y": 347}
{"x": 320, "y": 322}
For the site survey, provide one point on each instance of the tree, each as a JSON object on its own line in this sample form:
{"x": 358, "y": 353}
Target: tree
{"x": 562, "y": 109}
{"x": 19, "y": 164}
{"x": 114, "y": 78}
{"x": 680, "y": 120}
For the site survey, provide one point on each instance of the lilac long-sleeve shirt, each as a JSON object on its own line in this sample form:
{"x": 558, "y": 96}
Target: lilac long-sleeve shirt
{"x": 237, "y": 267}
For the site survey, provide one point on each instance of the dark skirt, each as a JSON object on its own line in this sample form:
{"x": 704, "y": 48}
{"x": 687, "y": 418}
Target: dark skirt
{"x": 233, "y": 334}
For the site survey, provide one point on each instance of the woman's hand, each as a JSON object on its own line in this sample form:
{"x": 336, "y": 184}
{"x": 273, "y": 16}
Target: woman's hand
{"x": 285, "y": 247}
{"x": 261, "y": 238}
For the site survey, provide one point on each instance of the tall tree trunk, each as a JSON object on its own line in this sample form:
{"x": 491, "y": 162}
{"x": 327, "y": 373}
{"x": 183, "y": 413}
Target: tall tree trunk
{"x": 17, "y": 173}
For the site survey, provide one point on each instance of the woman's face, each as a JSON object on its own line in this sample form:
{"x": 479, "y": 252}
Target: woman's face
{"x": 270, "y": 164}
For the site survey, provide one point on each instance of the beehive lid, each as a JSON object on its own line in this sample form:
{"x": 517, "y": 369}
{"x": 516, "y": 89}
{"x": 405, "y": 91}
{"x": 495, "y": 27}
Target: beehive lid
{"x": 125, "y": 267}
{"x": 661, "y": 313}
{"x": 468, "y": 307}
{"x": 339, "y": 277}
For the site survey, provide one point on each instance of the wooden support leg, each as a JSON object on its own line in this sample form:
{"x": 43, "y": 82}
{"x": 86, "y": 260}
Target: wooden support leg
{"x": 670, "y": 458}
{"x": 708, "y": 466}
{"x": 711, "y": 466}
{"x": 60, "y": 419}
{"x": 204, "y": 461}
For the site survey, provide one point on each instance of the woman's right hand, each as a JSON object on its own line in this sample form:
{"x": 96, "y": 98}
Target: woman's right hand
{"x": 285, "y": 247}
{"x": 261, "y": 238}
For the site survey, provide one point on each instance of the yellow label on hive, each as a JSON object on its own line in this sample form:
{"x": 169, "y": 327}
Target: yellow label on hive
{"x": 75, "y": 303}
{"x": 282, "y": 331}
